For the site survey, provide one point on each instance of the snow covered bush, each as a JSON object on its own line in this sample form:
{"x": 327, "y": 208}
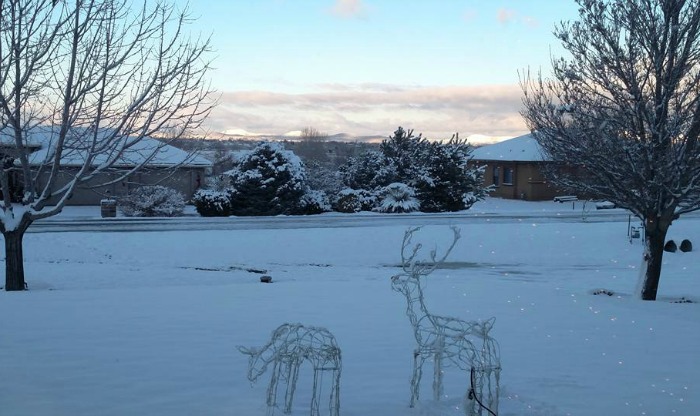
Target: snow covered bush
{"x": 152, "y": 201}
{"x": 220, "y": 183}
{"x": 355, "y": 200}
{"x": 314, "y": 202}
{"x": 398, "y": 197}
{"x": 439, "y": 172}
{"x": 211, "y": 203}
{"x": 268, "y": 180}
{"x": 323, "y": 177}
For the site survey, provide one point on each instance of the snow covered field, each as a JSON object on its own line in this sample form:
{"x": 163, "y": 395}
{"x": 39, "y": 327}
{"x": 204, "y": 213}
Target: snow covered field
{"x": 146, "y": 323}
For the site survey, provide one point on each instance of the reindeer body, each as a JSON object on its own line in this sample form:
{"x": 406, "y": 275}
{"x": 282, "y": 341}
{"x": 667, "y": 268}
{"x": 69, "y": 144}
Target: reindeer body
{"x": 289, "y": 346}
{"x": 448, "y": 340}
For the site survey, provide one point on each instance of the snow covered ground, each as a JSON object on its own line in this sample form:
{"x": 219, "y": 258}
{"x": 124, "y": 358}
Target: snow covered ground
{"x": 146, "y": 323}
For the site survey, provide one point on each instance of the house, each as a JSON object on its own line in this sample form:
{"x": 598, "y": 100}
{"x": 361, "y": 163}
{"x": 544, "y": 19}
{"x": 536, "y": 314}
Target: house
{"x": 515, "y": 168}
{"x": 163, "y": 164}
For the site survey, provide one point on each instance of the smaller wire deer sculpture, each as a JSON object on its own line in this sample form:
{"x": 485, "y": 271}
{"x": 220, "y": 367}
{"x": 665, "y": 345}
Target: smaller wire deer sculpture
{"x": 289, "y": 346}
{"x": 447, "y": 340}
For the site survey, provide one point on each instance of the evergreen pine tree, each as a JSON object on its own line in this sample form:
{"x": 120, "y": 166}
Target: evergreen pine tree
{"x": 438, "y": 171}
{"x": 448, "y": 183}
{"x": 268, "y": 181}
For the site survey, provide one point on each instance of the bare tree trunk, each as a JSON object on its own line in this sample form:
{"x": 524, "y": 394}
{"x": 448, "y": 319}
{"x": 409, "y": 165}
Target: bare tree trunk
{"x": 14, "y": 257}
{"x": 655, "y": 230}
{"x": 14, "y": 264}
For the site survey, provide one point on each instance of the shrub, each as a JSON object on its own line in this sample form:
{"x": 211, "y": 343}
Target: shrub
{"x": 269, "y": 180}
{"x": 354, "y": 200}
{"x": 323, "y": 177}
{"x": 670, "y": 246}
{"x": 152, "y": 201}
{"x": 212, "y": 203}
{"x": 448, "y": 183}
{"x": 686, "y": 246}
{"x": 313, "y": 202}
{"x": 398, "y": 197}
{"x": 438, "y": 171}
{"x": 369, "y": 170}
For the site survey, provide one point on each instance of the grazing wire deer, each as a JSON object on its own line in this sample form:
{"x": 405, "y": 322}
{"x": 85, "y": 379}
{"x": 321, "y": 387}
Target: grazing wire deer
{"x": 466, "y": 344}
{"x": 289, "y": 346}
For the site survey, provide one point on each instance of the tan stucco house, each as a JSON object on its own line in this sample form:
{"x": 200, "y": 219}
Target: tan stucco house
{"x": 167, "y": 166}
{"x": 514, "y": 167}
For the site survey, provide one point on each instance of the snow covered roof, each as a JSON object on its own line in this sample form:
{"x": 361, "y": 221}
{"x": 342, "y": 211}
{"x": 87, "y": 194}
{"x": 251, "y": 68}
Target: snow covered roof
{"x": 164, "y": 155}
{"x": 8, "y": 141}
{"x": 518, "y": 149}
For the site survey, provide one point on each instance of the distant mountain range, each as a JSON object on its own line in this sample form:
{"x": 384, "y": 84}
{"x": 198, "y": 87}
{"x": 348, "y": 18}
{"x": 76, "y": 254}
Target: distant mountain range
{"x": 474, "y": 139}
{"x": 292, "y": 136}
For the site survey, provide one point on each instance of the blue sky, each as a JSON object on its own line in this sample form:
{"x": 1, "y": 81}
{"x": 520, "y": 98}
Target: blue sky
{"x": 364, "y": 67}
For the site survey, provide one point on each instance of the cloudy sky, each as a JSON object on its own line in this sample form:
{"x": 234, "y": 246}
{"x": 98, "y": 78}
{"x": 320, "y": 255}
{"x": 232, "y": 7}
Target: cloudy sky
{"x": 364, "y": 67}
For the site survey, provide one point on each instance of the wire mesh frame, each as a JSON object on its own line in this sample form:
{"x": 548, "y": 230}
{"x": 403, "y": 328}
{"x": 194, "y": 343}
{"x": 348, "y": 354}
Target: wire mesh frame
{"x": 447, "y": 340}
{"x": 289, "y": 347}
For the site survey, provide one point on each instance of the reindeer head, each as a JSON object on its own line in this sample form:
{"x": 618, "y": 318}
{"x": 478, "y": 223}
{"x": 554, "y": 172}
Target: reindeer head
{"x": 256, "y": 366}
{"x": 403, "y": 283}
{"x": 409, "y": 283}
{"x": 410, "y": 263}
{"x": 483, "y": 328}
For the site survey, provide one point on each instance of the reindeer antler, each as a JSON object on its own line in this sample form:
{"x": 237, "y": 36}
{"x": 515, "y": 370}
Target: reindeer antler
{"x": 417, "y": 268}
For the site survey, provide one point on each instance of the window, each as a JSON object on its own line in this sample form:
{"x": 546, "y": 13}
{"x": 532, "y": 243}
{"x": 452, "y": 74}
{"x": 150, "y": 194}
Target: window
{"x": 508, "y": 176}
{"x": 496, "y": 175}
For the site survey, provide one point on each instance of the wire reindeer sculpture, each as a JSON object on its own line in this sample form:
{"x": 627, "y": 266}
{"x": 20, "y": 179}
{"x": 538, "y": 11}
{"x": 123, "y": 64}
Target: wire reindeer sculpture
{"x": 289, "y": 346}
{"x": 447, "y": 340}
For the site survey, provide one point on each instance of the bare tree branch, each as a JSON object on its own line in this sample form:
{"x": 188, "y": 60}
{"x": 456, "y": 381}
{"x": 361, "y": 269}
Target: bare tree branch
{"x": 623, "y": 112}
{"x": 91, "y": 82}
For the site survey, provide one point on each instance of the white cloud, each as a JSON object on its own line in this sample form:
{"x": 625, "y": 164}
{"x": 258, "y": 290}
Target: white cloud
{"x": 349, "y": 9}
{"x": 375, "y": 109}
{"x": 505, "y": 16}
{"x": 530, "y": 21}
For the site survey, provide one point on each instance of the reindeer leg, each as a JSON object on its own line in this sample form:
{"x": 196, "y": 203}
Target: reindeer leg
{"x": 496, "y": 388}
{"x": 418, "y": 361}
{"x": 487, "y": 386}
{"x": 272, "y": 388}
{"x": 439, "y": 349}
{"x": 292, "y": 376}
{"x": 316, "y": 392}
{"x": 437, "y": 375}
{"x": 335, "y": 394}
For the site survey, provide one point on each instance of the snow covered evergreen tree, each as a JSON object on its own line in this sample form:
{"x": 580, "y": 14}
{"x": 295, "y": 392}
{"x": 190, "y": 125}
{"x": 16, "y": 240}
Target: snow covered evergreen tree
{"x": 367, "y": 171}
{"x": 270, "y": 180}
{"x": 624, "y": 109}
{"x": 323, "y": 177}
{"x": 447, "y": 183}
{"x": 437, "y": 170}
{"x": 406, "y": 154}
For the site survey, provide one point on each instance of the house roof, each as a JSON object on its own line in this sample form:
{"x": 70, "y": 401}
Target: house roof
{"x": 518, "y": 149}
{"x": 164, "y": 155}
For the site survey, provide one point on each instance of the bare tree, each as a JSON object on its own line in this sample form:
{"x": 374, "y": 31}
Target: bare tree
{"x": 89, "y": 82}
{"x": 313, "y": 148}
{"x": 311, "y": 134}
{"x": 624, "y": 111}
